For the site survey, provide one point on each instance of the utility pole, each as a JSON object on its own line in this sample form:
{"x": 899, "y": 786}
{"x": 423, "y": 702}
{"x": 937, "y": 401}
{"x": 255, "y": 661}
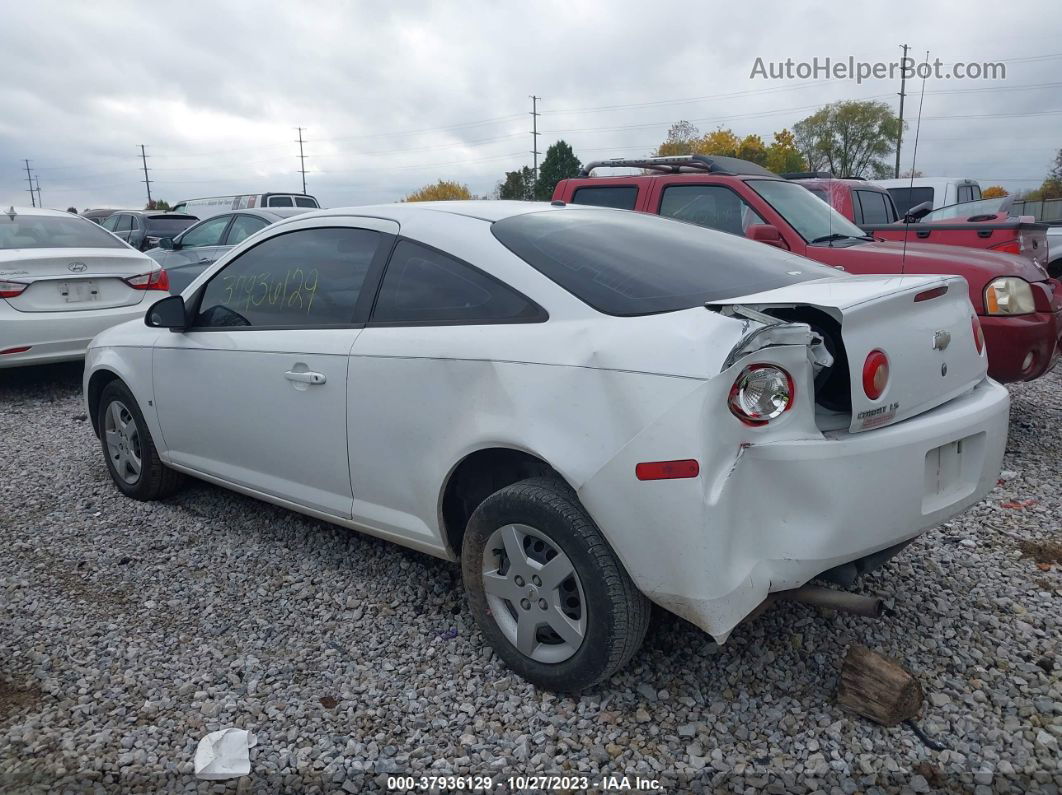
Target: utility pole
{"x": 40, "y": 201}
{"x": 899, "y": 133}
{"x": 302, "y": 161}
{"x": 29, "y": 179}
{"x": 147, "y": 179}
{"x": 534, "y": 135}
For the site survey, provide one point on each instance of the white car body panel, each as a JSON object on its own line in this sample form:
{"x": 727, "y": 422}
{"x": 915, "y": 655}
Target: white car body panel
{"x": 945, "y": 189}
{"x": 591, "y": 395}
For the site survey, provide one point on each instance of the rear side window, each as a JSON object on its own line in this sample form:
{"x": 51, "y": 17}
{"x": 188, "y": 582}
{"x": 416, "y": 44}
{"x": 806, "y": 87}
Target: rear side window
{"x": 709, "y": 205}
{"x": 110, "y": 223}
{"x": 638, "y": 264}
{"x": 168, "y": 226}
{"x": 207, "y": 233}
{"x": 423, "y": 285}
{"x": 621, "y": 197}
{"x": 280, "y": 201}
{"x": 873, "y": 209}
{"x": 310, "y": 278}
{"x": 305, "y": 201}
{"x": 125, "y": 223}
{"x": 906, "y": 198}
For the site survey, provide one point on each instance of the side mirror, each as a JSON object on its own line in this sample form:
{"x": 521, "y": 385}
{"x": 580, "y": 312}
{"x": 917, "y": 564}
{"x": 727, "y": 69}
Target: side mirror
{"x": 168, "y": 313}
{"x": 167, "y": 243}
{"x": 765, "y": 233}
{"x": 918, "y": 212}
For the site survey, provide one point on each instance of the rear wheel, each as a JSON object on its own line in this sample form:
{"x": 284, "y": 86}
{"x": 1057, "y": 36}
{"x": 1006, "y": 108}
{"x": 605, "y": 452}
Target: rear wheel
{"x": 132, "y": 459}
{"x": 546, "y": 589}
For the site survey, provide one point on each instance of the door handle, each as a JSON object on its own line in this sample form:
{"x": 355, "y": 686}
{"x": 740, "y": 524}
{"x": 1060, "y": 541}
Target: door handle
{"x": 305, "y": 377}
{"x": 205, "y": 261}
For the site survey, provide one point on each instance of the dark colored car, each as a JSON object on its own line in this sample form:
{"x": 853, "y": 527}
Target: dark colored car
{"x": 98, "y": 215}
{"x": 143, "y": 229}
{"x": 184, "y": 256}
{"x": 1018, "y": 306}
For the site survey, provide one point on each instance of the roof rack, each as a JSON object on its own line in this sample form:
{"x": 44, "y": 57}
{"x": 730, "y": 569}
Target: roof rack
{"x": 712, "y": 164}
{"x": 807, "y": 175}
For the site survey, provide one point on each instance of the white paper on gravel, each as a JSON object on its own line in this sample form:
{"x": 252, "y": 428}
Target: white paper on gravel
{"x": 224, "y": 754}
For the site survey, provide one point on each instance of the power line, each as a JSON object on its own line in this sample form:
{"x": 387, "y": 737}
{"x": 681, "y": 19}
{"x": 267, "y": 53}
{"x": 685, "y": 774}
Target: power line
{"x": 534, "y": 136}
{"x": 147, "y": 179}
{"x": 29, "y": 179}
{"x": 302, "y": 161}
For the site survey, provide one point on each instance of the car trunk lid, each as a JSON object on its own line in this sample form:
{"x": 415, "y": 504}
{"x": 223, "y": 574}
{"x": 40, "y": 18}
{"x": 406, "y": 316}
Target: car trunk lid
{"x": 73, "y": 279}
{"x": 923, "y": 324}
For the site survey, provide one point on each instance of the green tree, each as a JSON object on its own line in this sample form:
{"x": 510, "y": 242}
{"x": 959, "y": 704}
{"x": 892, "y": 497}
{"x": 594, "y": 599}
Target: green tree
{"x": 850, "y": 139}
{"x": 518, "y": 185}
{"x": 560, "y": 163}
{"x": 158, "y": 204}
{"x": 443, "y": 190}
{"x": 783, "y": 155}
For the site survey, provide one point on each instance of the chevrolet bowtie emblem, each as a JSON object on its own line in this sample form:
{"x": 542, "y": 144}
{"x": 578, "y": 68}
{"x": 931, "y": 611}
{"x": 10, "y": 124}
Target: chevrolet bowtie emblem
{"x": 941, "y": 340}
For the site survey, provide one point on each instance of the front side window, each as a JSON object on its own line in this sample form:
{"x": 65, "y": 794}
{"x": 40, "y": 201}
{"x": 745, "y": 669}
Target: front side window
{"x": 422, "y": 285}
{"x": 110, "y": 223}
{"x": 709, "y": 205}
{"x": 310, "y": 278}
{"x": 814, "y": 221}
{"x": 280, "y": 201}
{"x": 243, "y": 227}
{"x": 208, "y": 233}
{"x": 638, "y": 264}
{"x": 125, "y": 223}
{"x": 46, "y": 231}
{"x": 874, "y": 209}
{"x": 620, "y": 197}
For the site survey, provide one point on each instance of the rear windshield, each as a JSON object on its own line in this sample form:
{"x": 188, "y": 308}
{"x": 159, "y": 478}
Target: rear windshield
{"x": 49, "y": 231}
{"x": 623, "y": 263}
{"x": 169, "y": 226}
{"x": 305, "y": 201}
{"x": 906, "y": 198}
{"x": 622, "y": 197}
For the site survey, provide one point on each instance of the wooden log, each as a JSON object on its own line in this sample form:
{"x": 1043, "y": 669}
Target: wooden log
{"x": 878, "y": 688}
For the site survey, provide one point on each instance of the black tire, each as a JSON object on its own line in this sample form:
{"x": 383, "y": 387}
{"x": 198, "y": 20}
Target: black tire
{"x": 155, "y": 480}
{"x": 617, "y": 613}
{"x": 1054, "y": 269}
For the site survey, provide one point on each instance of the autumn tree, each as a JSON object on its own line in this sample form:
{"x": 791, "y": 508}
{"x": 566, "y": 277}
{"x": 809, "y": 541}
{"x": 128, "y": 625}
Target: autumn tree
{"x": 680, "y": 140}
{"x": 518, "y": 185}
{"x": 849, "y": 139}
{"x": 783, "y": 155}
{"x": 994, "y": 192}
{"x": 1052, "y": 186}
{"x": 443, "y": 190}
{"x": 560, "y": 163}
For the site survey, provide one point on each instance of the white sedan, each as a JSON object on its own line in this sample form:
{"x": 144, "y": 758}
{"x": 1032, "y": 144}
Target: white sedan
{"x": 63, "y": 280}
{"x": 591, "y": 409}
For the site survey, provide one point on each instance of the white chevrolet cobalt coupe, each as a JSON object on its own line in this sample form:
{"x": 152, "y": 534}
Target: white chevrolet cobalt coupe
{"x": 592, "y": 409}
{"x": 63, "y": 280}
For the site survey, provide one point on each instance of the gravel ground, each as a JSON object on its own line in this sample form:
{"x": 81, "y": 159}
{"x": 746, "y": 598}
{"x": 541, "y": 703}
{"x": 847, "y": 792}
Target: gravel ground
{"x": 129, "y": 630}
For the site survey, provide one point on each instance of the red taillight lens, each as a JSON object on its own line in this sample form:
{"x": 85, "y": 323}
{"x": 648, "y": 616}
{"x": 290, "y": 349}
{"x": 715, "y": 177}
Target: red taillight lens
{"x": 761, "y": 393}
{"x": 156, "y": 280}
{"x": 929, "y": 295}
{"x": 1011, "y": 247}
{"x": 667, "y": 470}
{"x": 978, "y": 334}
{"x": 875, "y": 374}
{"x": 11, "y": 289}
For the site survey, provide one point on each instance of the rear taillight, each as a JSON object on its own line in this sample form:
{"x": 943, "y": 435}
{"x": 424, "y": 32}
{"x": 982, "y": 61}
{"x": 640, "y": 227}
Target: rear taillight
{"x": 667, "y": 470}
{"x": 1011, "y": 247}
{"x": 156, "y": 280}
{"x": 875, "y": 374}
{"x": 11, "y": 289}
{"x": 761, "y": 393}
{"x": 978, "y": 334}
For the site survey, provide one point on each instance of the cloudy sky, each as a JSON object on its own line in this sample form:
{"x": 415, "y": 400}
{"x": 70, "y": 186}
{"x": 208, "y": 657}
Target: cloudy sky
{"x": 394, "y": 95}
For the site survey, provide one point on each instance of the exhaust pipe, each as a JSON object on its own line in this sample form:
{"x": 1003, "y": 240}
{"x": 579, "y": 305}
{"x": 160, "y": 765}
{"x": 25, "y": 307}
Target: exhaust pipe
{"x": 869, "y": 606}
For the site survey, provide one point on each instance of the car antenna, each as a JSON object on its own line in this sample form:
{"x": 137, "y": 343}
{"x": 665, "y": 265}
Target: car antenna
{"x": 11, "y": 212}
{"x": 914, "y": 159}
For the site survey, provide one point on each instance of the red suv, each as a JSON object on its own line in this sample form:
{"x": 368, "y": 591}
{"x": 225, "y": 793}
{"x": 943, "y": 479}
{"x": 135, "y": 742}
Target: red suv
{"x": 1020, "y": 308}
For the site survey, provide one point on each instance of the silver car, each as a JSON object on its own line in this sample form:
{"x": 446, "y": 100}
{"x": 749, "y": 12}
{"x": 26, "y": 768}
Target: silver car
{"x": 186, "y": 256}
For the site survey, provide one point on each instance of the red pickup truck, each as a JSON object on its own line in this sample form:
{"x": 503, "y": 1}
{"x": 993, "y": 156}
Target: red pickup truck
{"x": 986, "y": 223}
{"x": 1019, "y": 307}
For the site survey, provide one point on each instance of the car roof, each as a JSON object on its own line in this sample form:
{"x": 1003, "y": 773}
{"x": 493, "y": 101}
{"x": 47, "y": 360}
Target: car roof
{"x": 485, "y": 210}
{"x": 822, "y": 182}
{"x": 40, "y": 211}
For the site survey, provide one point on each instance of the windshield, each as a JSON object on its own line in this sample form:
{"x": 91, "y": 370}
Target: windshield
{"x": 812, "y": 218}
{"x": 50, "y": 231}
{"x": 967, "y": 209}
{"x": 624, "y": 263}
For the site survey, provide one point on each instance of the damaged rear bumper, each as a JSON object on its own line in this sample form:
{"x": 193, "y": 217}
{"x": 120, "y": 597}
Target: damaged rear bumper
{"x": 784, "y": 512}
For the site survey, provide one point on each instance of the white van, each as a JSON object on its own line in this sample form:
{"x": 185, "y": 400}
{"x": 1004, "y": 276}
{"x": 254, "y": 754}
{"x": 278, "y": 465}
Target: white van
{"x": 214, "y": 205}
{"x": 942, "y": 191}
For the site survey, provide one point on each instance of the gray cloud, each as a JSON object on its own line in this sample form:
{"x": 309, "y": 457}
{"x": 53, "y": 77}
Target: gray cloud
{"x": 396, "y": 95}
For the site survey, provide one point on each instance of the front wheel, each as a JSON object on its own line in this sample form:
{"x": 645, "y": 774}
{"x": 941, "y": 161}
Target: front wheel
{"x": 547, "y": 590}
{"x": 132, "y": 459}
